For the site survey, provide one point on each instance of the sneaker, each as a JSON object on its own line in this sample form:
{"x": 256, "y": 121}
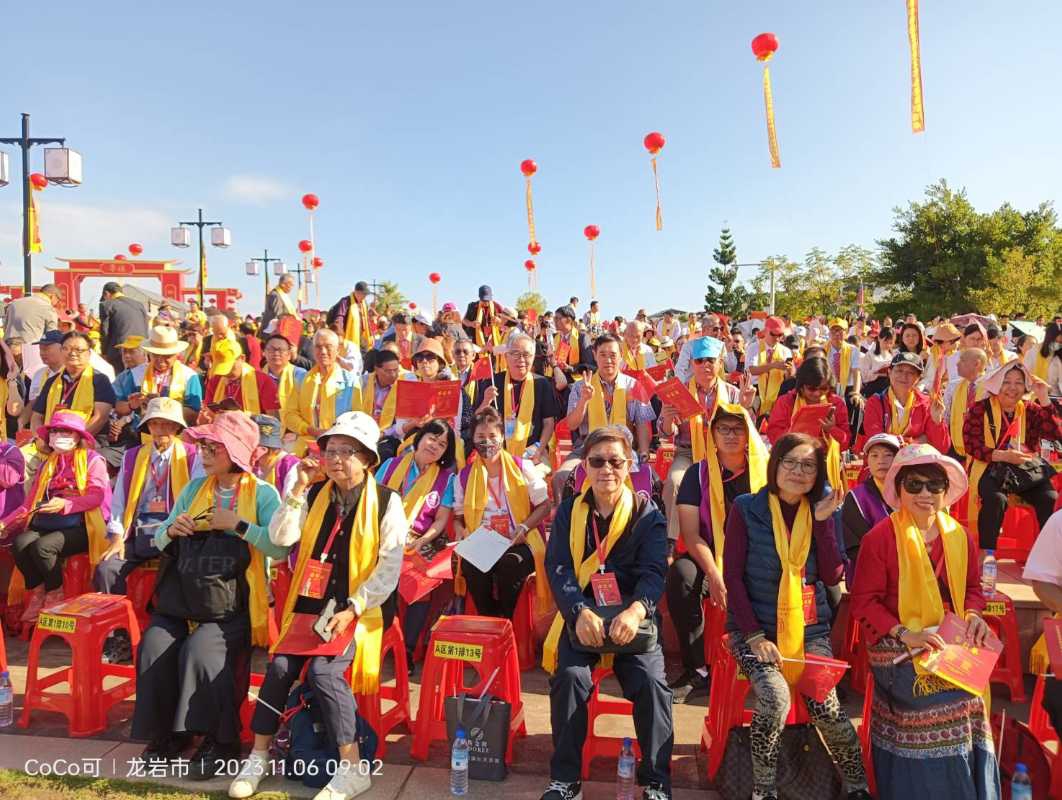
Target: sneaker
{"x": 690, "y": 686}
{"x": 348, "y": 782}
{"x": 559, "y": 790}
{"x": 250, "y": 775}
{"x": 654, "y": 792}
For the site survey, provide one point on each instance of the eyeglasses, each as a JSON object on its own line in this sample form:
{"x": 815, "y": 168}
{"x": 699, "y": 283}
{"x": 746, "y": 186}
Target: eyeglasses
{"x": 209, "y": 448}
{"x": 712, "y": 327}
{"x": 598, "y": 462}
{"x": 916, "y": 485}
{"x": 703, "y": 360}
{"x": 80, "y": 351}
{"x": 803, "y": 467}
{"x": 729, "y": 430}
{"x": 519, "y": 355}
{"x": 280, "y": 349}
{"x": 339, "y": 452}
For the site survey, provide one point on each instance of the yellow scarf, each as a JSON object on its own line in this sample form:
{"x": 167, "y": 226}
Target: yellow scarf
{"x": 286, "y": 388}
{"x": 573, "y": 346}
{"x": 1041, "y": 366}
{"x": 178, "y": 381}
{"x": 178, "y": 478}
{"x": 977, "y": 467}
{"x": 418, "y": 492}
{"x": 846, "y": 365}
{"x": 517, "y": 443}
{"x": 94, "y": 524}
{"x": 368, "y": 403}
{"x": 3, "y": 408}
{"x": 247, "y": 508}
{"x": 357, "y": 324}
{"x": 364, "y": 553}
{"x": 519, "y": 508}
{"x": 634, "y": 359}
{"x": 317, "y": 404}
{"x": 83, "y": 401}
{"x": 834, "y": 469}
{"x": 289, "y": 307}
{"x": 792, "y": 548}
{"x": 699, "y": 431}
{"x": 596, "y": 411}
{"x": 769, "y": 382}
{"x": 248, "y": 390}
{"x": 756, "y": 464}
{"x": 495, "y": 334}
{"x": 959, "y": 402}
{"x": 898, "y": 424}
{"x": 585, "y": 567}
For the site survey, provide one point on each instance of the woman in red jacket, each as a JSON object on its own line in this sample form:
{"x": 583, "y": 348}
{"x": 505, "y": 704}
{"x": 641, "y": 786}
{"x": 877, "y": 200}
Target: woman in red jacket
{"x": 904, "y": 411}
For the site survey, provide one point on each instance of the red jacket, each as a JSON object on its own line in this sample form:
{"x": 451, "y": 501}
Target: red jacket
{"x": 267, "y": 392}
{"x": 782, "y": 413}
{"x": 877, "y": 415}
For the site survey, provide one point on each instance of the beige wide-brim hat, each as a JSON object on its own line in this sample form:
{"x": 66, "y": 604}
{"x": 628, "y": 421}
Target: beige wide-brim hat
{"x": 164, "y": 341}
{"x": 165, "y": 408}
{"x": 917, "y": 454}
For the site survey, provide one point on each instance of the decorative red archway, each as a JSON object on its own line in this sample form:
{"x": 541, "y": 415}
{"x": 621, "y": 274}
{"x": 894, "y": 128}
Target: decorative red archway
{"x": 69, "y": 279}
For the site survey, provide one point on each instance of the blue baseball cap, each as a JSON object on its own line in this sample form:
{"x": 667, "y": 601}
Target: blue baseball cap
{"x": 268, "y": 431}
{"x": 51, "y": 337}
{"x": 706, "y": 347}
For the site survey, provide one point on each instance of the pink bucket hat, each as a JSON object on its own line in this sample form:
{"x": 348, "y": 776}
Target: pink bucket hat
{"x": 67, "y": 421}
{"x": 993, "y": 381}
{"x": 914, "y": 454}
{"x": 233, "y": 430}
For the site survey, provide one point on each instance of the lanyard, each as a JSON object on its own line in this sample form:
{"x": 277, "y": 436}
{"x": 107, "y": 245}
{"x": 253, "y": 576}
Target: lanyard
{"x": 599, "y": 544}
{"x": 517, "y": 396}
{"x": 499, "y": 500}
{"x": 160, "y": 480}
{"x": 332, "y": 536}
{"x": 69, "y": 393}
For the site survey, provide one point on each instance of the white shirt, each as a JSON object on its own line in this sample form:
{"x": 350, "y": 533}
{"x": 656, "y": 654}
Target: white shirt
{"x": 40, "y": 377}
{"x": 671, "y": 330}
{"x": 1045, "y": 558}
{"x": 870, "y": 363}
{"x": 99, "y": 364}
{"x": 498, "y": 503}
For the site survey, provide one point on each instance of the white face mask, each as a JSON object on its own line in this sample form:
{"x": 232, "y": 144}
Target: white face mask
{"x": 62, "y": 442}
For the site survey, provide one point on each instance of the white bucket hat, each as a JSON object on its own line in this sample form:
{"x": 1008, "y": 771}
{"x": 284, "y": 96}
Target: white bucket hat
{"x": 164, "y": 342}
{"x": 163, "y": 408}
{"x": 359, "y": 426}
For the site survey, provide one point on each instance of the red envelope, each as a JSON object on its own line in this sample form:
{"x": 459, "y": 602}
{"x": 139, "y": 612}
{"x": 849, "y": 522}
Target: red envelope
{"x": 414, "y": 585}
{"x": 417, "y": 399}
{"x": 1053, "y": 637}
{"x": 646, "y": 385}
{"x": 809, "y": 420}
{"x": 659, "y": 372}
{"x": 675, "y": 394}
{"x": 819, "y": 676}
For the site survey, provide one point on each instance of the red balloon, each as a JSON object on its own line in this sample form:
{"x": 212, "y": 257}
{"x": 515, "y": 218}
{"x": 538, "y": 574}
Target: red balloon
{"x": 534, "y": 248}
{"x": 119, "y": 257}
{"x": 310, "y": 202}
{"x": 412, "y": 306}
{"x": 305, "y": 246}
{"x": 654, "y": 142}
{"x": 317, "y": 262}
{"x": 136, "y": 248}
{"x": 38, "y": 181}
{"x": 529, "y": 265}
{"x": 528, "y": 167}
{"x": 764, "y": 46}
{"x": 434, "y": 277}
{"x": 591, "y": 232}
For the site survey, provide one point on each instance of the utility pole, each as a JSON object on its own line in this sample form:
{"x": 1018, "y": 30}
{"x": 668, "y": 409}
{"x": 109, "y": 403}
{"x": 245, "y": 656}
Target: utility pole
{"x": 24, "y": 142}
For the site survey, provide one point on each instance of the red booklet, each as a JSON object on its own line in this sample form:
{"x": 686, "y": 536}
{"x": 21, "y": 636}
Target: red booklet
{"x": 809, "y": 420}
{"x": 965, "y": 666}
{"x": 646, "y": 385}
{"x": 1053, "y": 637}
{"x": 819, "y": 676}
{"x": 659, "y": 372}
{"x": 675, "y": 394}
{"x": 419, "y": 577}
{"x": 417, "y": 399}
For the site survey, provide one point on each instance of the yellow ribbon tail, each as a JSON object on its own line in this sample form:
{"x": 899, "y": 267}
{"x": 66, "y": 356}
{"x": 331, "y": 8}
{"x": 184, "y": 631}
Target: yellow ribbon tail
{"x": 543, "y": 594}
{"x": 530, "y": 213}
{"x": 772, "y": 133}
{"x": 368, "y": 644}
{"x": 656, "y": 182}
{"x": 549, "y": 647}
{"x": 1039, "y": 663}
{"x": 918, "y": 117}
{"x": 16, "y": 588}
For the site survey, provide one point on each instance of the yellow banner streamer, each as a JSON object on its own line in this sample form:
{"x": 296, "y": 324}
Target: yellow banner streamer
{"x": 918, "y": 116}
{"x": 772, "y": 133}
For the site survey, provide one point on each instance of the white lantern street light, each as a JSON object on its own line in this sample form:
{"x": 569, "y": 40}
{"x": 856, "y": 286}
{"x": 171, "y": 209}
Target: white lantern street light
{"x": 219, "y": 237}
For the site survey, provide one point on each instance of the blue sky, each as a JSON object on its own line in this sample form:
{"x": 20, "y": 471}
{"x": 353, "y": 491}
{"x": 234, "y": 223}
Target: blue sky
{"x": 410, "y": 119}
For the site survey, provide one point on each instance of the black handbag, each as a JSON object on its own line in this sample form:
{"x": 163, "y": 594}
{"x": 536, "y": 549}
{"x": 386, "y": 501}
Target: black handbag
{"x": 644, "y": 640}
{"x": 805, "y": 768}
{"x": 142, "y": 546}
{"x": 486, "y": 724}
{"x": 1015, "y": 478}
{"x": 201, "y": 577}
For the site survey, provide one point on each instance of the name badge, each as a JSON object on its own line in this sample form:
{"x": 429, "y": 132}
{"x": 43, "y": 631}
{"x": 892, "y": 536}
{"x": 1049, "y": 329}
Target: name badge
{"x": 157, "y": 506}
{"x": 606, "y": 589}
{"x": 510, "y": 427}
{"x": 811, "y": 612}
{"x": 501, "y": 523}
{"x": 315, "y": 579}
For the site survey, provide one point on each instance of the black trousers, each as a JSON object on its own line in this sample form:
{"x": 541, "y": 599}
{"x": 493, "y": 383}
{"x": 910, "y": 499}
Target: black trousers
{"x": 496, "y": 592}
{"x": 110, "y": 575}
{"x": 683, "y": 590}
{"x": 39, "y": 555}
{"x": 1053, "y": 703}
{"x": 413, "y": 624}
{"x": 994, "y": 506}
{"x": 326, "y": 675}
{"x": 192, "y": 682}
{"x": 642, "y": 680}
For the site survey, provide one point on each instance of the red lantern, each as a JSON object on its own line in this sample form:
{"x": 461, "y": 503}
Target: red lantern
{"x": 136, "y": 248}
{"x": 412, "y": 306}
{"x": 528, "y": 167}
{"x": 310, "y": 202}
{"x": 305, "y": 246}
{"x": 534, "y": 248}
{"x": 764, "y": 46}
{"x": 317, "y": 262}
{"x": 529, "y": 265}
{"x": 654, "y": 142}
{"x": 119, "y": 257}
{"x": 434, "y": 277}
{"x": 591, "y": 232}
{"x": 38, "y": 181}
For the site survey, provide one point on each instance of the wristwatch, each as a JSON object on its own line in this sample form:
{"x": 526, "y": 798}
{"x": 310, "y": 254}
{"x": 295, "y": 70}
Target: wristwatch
{"x": 242, "y": 526}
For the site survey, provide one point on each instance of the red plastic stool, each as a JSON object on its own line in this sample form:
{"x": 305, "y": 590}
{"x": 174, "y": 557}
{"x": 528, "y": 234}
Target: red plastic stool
{"x": 485, "y": 644}
{"x": 524, "y": 625}
{"x": 1020, "y": 529}
{"x": 77, "y": 576}
{"x": 370, "y": 706}
{"x": 1039, "y": 723}
{"x": 864, "y": 734}
{"x": 726, "y": 707}
{"x": 84, "y": 623}
{"x": 999, "y": 614}
{"x": 139, "y": 587}
{"x": 598, "y": 745}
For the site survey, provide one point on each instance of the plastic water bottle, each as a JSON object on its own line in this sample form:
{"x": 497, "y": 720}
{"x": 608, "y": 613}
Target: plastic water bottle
{"x": 7, "y": 701}
{"x": 625, "y": 772}
{"x": 988, "y": 574}
{"x": 459, "y": 764}
{"x": 1021, "y": 783}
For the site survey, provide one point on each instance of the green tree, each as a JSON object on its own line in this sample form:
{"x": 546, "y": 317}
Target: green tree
{"x": 529, "y": 300}
{"x": 389, "y": 299}
{"x": 731, "y": 298}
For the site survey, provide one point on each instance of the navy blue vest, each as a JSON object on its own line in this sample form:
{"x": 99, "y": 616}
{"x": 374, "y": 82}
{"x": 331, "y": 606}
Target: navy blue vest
{"x": 763, "y": 570}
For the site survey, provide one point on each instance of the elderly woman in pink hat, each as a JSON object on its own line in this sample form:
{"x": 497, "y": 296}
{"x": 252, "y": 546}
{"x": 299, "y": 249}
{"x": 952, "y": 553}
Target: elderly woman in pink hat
{"x": 213, "y": 571}
{"x": 928, "y": 737}
{"x": 64, "y": 514}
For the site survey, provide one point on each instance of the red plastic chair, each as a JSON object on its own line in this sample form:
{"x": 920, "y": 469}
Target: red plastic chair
{"x": 864, "y": 734}
{"x": 77, "y": 576}
{"x": 139, "y": 587}
{"x": 999, "y": 614}
{"x": 600, "y": 745}
{"x": 1020, "y": 529}
{"x": 524, "y": 626}
{"x": 370, "y": 706}
{"x": 84, "y": 623}
{"x": 484, "y": 644}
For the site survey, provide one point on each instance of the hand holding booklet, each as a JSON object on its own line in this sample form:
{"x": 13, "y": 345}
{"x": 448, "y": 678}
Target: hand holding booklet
{"x": 482, "y": 548}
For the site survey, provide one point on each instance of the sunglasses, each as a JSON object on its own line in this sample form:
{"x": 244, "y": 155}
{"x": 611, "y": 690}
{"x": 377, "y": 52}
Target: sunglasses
{"x": 598, "y": 462}
{"x": 703, "y": 360}
{"x": 916, "y": 485}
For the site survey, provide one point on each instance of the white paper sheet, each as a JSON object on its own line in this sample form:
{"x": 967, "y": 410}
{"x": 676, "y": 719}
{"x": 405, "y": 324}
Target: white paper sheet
{"x": 483, "y": 548}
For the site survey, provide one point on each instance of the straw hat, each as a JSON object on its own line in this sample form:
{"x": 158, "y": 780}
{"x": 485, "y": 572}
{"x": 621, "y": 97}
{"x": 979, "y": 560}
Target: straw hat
{"x": 164, "y": 342}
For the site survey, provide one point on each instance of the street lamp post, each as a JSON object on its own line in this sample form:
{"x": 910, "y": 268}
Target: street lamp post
{"x": 265, "y": 260}
{"x": 220, "y": 236}
{"x": 24, "y": 142}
